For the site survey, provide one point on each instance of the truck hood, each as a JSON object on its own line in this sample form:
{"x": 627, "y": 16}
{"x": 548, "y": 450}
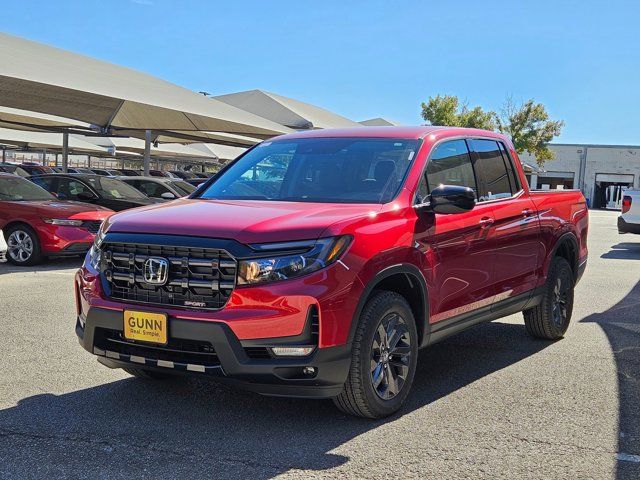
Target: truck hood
{"x": 245, "y": 221}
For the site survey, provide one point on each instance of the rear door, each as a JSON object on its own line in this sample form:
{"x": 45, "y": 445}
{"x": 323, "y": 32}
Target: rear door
{"x": 458, "y": 246}
{"x": 515, "y": 233}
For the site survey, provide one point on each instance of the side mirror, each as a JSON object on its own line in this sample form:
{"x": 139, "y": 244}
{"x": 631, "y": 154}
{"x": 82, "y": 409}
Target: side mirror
{"x": 168, "y": 196}
{"x": 447, "y": 199}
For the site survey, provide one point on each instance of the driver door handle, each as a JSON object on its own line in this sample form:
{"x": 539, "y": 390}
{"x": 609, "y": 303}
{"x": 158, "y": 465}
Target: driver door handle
{"x": 486, "y": 222}
{"x": 527, "y": 212}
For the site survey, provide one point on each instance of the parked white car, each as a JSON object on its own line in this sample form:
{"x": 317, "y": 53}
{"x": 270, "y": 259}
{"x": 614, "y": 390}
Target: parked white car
{"x": 629, "y": 221}
{"x": 3, "y": 247}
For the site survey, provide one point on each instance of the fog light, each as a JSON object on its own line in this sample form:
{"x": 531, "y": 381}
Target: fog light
{"x": 309, "y": 370}
{"x": 291, "y": 351}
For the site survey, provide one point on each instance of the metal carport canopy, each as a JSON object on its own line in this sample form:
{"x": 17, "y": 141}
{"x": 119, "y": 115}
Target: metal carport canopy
{"x": 18, "y": 119}
{"x": 49, "y": 80}
{"x": 286, "y": 111}
{"x": 48, "y": 141}
{"x": 125, "y": 146}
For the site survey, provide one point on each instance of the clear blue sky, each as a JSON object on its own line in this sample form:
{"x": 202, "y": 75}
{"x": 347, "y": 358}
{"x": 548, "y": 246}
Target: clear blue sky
{"x": 372, "y": 58}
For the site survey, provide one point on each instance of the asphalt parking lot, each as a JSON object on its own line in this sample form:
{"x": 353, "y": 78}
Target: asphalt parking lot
{"x": 488, "y": 403}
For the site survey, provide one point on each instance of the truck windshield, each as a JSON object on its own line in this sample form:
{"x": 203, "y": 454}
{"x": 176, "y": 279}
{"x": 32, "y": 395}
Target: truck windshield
{"x": 330, "y": 170}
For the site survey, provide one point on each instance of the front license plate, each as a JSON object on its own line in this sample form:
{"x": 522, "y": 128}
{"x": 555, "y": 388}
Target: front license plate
{"x": 145, "y": 326}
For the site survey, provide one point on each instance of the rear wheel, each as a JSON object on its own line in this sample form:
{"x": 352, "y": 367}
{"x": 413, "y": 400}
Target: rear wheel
{"x": 550, "y": 319}
{"x": 147, "y": 374}
{"x": 23, "y": 245}
{"x": 384, "y": 357}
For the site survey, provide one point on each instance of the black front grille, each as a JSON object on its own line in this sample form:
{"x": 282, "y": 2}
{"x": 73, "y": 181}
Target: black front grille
{"x": 177, "y": 350}
{"x": 200, "y": 278}
{"x": 92, "y": 225}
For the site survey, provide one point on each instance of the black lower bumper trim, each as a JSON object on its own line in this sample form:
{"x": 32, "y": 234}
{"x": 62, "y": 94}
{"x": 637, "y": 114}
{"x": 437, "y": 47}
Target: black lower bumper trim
{"x": 626, "y": 227}
{"x": 72, "y": 250}
{"x": 269, "y": 376}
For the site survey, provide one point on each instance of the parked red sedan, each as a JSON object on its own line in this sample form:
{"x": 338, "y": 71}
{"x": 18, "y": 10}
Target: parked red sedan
{"x": 36, "y": 224}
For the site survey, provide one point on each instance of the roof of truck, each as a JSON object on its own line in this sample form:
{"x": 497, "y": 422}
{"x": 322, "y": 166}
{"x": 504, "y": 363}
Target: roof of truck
{"x": 416, "y": 132}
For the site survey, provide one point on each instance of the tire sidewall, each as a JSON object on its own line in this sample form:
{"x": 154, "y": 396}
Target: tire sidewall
{"x": 36, "y": 255}
{"x": 560, "y": 268}
{"x": 373, "y": 315}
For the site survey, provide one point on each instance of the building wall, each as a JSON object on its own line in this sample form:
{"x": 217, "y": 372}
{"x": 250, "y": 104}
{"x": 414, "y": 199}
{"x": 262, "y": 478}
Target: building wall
{"x": 586, "y": 163}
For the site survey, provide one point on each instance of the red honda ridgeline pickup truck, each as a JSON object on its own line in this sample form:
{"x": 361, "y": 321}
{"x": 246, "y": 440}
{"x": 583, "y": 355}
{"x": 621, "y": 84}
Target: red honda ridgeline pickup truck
{"x": 319, "y": 263}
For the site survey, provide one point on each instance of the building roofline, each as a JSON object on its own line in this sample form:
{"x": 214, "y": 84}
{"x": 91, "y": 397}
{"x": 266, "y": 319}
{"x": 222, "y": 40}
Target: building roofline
{"x": 592, "y": 145}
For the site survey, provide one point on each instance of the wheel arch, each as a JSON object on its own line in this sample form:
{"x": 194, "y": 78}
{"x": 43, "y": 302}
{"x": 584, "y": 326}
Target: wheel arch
{"x": 17, "y": 222}
{"x": 568, "y": 248}
{"x": 406, "y": 280}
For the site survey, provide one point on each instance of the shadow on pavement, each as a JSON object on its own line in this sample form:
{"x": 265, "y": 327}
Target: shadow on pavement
{"x": 623, "y": 251}
{"x": 621, "y": 324}
{"x": 48, "y": 265}
{"x": 189, "y": 427}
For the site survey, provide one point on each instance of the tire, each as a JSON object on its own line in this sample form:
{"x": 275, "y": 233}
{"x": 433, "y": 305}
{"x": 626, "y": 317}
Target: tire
{"x": 372, "y": 358}
{"x": 550, "y": 319}
{"x": 23, "y": 245}
{"x": 147, "y": 374}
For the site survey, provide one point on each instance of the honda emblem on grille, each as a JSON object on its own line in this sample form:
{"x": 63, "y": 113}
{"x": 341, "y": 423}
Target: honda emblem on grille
{"x": 156, "y": 270}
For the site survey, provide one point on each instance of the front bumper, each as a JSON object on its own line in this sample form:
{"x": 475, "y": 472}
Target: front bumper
{"x": 626, "y": 227}
{"x": 230, "y": 362}
{"x": 64, "y": 240}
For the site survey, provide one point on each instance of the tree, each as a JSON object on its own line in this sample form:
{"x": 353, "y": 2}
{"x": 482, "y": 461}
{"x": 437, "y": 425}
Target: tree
{"x": 446, "y": 110}
{"x": 530, "y": 128}
{"x": 527, "y": 124}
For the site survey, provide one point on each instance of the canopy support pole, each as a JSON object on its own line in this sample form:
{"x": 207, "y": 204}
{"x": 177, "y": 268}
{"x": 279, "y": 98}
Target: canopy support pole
{"x": 44, "y": 157}
{"x": 89, "y": 161}
{"x": 4, "y": 155}
{"x": 65, "y": 152}
{"x": 147, "y": 152}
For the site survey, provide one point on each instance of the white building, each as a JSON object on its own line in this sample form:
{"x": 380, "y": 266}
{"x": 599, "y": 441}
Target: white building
{"x": 600, "y": 171}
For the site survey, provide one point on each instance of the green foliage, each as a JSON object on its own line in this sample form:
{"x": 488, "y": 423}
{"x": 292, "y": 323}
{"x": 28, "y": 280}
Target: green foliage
{"x": 447, "y": 110}
{"x": 527, "y": 124}
{"x": 530, "y": 128}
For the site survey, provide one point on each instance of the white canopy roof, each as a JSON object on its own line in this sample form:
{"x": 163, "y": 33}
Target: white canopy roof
{"x": 286, "y": 111}
{"x": 221, "y": 152}
{"x": 45, "y": 79}
{"x": 46, "y": 141}
{"x": 125, "y": 146}
{"x": 380, "y": 122}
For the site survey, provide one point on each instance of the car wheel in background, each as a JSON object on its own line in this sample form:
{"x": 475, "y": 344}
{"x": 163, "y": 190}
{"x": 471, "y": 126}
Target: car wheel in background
{"x": 23, "y": 245}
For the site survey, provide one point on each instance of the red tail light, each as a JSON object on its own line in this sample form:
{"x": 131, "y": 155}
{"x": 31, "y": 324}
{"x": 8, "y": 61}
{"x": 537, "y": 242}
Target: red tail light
{"x": 626, "y": 204}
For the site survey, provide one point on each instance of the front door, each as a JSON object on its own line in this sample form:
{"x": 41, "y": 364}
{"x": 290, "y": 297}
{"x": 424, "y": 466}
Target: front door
{"x": 458, "y": 270}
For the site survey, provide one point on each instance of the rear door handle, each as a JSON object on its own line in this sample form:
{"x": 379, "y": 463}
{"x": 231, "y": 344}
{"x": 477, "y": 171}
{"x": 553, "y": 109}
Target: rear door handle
{"x": 486, "y": 222}
{"x": 527, "y": 212}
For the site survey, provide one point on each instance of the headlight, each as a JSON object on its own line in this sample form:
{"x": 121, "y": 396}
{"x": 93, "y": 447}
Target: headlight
{"x": 63, "y": 222}
{"x": 322, "y": 254}
{"x": 95, "y": 252}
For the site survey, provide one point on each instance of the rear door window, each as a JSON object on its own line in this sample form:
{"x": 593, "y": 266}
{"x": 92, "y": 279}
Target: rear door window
{"x": 513, "y": 176}
{"x": 492, "y": 170}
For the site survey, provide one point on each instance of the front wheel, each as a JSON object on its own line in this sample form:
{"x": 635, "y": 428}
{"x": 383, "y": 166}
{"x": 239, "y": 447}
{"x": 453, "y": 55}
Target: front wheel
{"x": 23, "y": 245}
{"x": 384, "y": 357}
{"x": 550, "y": 319}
